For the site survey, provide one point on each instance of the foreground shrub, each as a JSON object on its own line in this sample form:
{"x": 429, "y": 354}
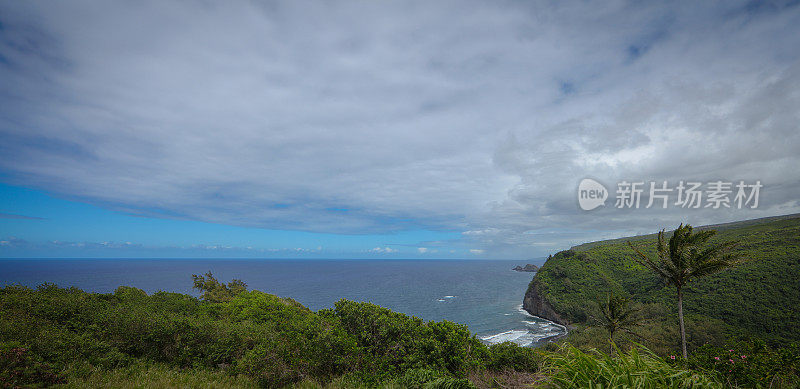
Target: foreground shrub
{"x": 750, "y": 364}
{"x": 573, "y": 368}
{"x": 432, "y": 379}
{"x": 20, "y": 368}
{"x": 509, "y": 356}
{"x": 391, "y": 343}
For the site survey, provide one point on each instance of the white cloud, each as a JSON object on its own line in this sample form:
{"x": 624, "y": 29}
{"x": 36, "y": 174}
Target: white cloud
{"x": 481, "y": 120}
{"x": 384, "y": 250}
{"x": 477, "y": 251}
{"x": 422, "y": 250}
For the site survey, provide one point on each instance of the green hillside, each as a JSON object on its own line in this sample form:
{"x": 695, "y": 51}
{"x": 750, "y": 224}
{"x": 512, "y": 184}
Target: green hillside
{"x": 759, "y": 299}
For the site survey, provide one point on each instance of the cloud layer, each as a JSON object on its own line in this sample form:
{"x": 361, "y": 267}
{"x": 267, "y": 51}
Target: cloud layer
{"x": 379, "y": 117}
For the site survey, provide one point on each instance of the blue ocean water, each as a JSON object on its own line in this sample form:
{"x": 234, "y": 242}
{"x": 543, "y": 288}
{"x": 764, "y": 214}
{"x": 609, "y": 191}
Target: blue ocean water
{"x": 484, "y": 295}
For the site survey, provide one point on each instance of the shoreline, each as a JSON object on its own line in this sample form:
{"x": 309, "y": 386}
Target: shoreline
{"x": 529, "y": 336}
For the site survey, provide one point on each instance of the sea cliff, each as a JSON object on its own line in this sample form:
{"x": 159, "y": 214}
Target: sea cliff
{"x": 536, "y": 304}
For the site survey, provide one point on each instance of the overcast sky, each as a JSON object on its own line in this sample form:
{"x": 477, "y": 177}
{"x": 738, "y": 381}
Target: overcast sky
{"x": 401, "y": 129}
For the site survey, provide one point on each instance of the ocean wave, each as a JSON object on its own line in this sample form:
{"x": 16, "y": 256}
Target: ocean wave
{"x": 520, "y": 337}
{"x": 539, "y": 324}
{"x": 524, "y": 312}
{"x": 542, "y": 320}
{"x": 536, "y": 330}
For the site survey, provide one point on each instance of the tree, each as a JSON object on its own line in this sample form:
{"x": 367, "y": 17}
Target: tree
{"x": 216, "y": 291}
{"x": 616, "y": 315}
{"x": 685, "y": 258}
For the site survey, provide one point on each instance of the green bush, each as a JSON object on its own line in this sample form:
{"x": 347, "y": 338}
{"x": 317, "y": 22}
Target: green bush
{"x": 20, "y": 368}
{"x": 750, "y": 364}
{"x": 273, "y": 340}
{"x": 391, "y": 343}
{"x": 508, "y": 355}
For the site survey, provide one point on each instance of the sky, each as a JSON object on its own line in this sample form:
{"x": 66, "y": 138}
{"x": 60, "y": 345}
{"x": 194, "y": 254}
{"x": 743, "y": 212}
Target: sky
{"x": 392, "y": 129}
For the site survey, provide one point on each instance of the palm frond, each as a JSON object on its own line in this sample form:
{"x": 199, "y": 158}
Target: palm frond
{"x": 685, "y": 256}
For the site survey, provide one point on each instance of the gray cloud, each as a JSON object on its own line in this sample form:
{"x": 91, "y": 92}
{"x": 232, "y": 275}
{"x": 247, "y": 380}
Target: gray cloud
{"x": 377, "y": 117}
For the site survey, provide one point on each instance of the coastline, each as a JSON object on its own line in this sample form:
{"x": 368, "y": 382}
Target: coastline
{"x": 552, "y": 338}
{"x": 527, "y": 332}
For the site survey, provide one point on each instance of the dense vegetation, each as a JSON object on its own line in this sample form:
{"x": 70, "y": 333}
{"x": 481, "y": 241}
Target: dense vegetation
{"x": 51, "y": 335}
{"x": 756, "y": 302}
{"x": 740, "y": 324}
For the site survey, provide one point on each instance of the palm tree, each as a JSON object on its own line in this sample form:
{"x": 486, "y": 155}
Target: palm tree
{"x": 684, "y": 259}
{"x": 616, "y": 315}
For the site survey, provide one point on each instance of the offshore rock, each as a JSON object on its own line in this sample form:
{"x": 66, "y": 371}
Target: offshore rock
{"x": 529, "y": 267}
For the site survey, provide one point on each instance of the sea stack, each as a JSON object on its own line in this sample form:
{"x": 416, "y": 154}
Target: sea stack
{"x": 529, "y": 268}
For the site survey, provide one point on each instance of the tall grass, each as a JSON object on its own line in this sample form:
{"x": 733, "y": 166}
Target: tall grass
{"x": 638, "y": 368}
{"x": 411, "y": 379}
{"x": 155, "y": 375}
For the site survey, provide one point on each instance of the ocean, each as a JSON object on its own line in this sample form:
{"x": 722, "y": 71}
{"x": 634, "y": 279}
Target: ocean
{"x": 484, "y": 295}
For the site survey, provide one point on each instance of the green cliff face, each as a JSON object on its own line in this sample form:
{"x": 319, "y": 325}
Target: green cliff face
{"x": 760, "y": 298}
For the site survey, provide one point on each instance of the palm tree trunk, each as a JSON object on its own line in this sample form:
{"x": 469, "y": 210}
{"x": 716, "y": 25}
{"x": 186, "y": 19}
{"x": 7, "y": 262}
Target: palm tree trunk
{"x": 680, "y": 319}
{"x": 611, "y": 344}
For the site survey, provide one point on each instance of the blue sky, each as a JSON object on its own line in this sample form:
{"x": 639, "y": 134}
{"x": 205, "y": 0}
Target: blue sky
{"x": 46, "y": 226}
{"x": 397, "y": 129}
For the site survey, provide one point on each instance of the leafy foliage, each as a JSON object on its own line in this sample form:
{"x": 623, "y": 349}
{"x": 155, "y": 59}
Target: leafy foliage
{"x": 750, "y": 364}
{"x": 19, "y": 368}
{"x": 507, "y": 355}
{"x": 685, "y": 257}
{"x": 573, "y": 368}
{"x": 616, "y": 315}
{"x": 255, "y": 338}
{"x": 216, "y": 291}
